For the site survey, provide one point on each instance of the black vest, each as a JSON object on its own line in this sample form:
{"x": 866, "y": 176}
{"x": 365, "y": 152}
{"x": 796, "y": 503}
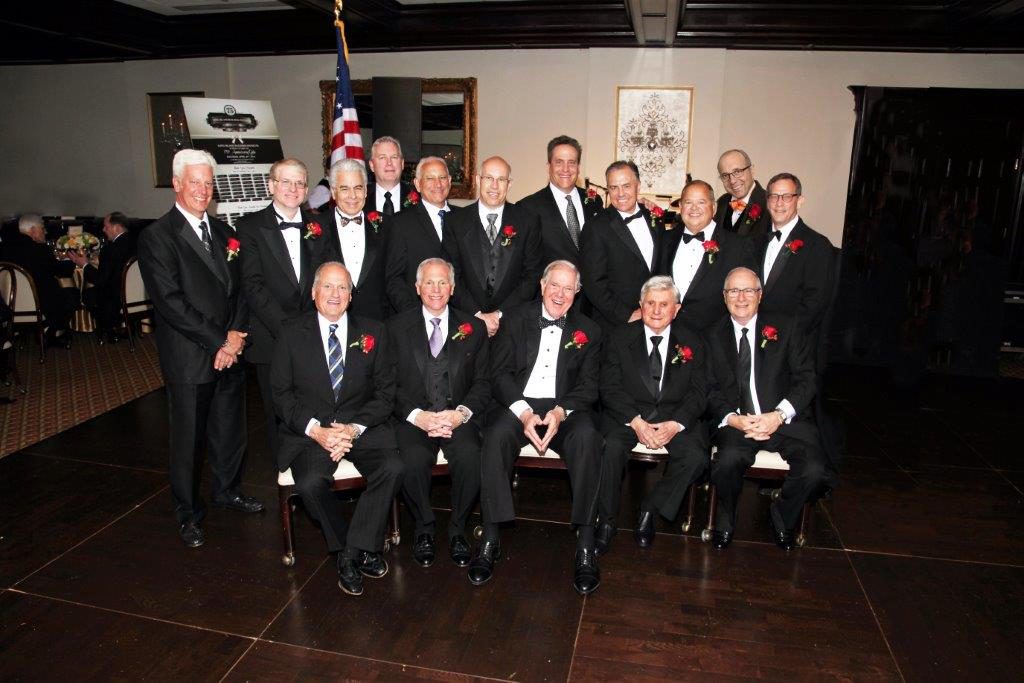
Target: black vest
{"x": 435, "y": 379}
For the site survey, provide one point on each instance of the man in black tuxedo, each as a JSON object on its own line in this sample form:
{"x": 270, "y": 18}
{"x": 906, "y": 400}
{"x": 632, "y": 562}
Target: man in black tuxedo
{"x": 419, "y": 233}
{"x": 499, "y": 248}
{"x": 742, "y": 208}
{"x": 334, "y": 388}
{"x": 388, "y": 193}
{"x": 761, "y": 393}
{"x": 103, "y": 299}
{"x": 360, "y": 243}
{"x": 544, "y": 377}
{"x": 29, "y": 250}
{"x": 654, "y": 394}
{"x": 621, "y": 249}
{"x": 282, "y": 246}
{"x": 443, "y": 392}
{"x": 698, "y": 254}
{"x": 190, "y": 265}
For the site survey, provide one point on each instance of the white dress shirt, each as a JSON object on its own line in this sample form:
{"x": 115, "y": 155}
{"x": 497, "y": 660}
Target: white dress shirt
{"x": 563, "y": 204}
{"x": 483, "y": 217}
{"x": 775, "y": 245}
{"x": 641, "y": 232}
{"x": 746, "y": 200}
{"x": 342, "y": 334}
{"x": 688, "y": 258}
{"x": 396, "y": 196}
{"x": 434, "y": 218}
{"x": 663, "y": 347}
{"x": 292, "y": 239}
{"x": 753, "y": 338}
{"x": 352, "y": 239}
{"x": 541, "y": 383}
{"x": 194, "y": 222}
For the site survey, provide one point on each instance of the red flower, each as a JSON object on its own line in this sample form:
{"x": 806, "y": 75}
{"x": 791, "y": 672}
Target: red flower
{"x": 313, "y": 231}
{"x": 412, "y": 198}
{"x": 683, "y": 354}
{"x": 657, "y": 213}
{"x": 365, "y": 343}
{"x": 755, "y": 212}
{"x": 465, "y": 329}
{"x": 710, "y": 248}
{"x": 591, "y": 193}
{"x": 508, "y": 232}
{"x": 374, "y": 218}
{"x": 795, "y": 245}
{"x": 579, "y": 340}
{"x": 768, "y": 333}
{"x": 233, "y": 248}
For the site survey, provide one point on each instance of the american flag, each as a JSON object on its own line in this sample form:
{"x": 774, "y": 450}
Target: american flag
{"x": 346, "y": 141}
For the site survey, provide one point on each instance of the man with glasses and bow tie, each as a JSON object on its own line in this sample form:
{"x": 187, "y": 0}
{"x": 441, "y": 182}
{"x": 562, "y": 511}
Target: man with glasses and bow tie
{"x": 282, "y": 246}
{"x": 742, "y": 208}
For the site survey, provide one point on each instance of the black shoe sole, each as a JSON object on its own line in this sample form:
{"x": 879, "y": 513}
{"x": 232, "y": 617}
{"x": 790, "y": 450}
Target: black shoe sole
{"x": 480, "y": 583}
{"x": 347, "y": 591}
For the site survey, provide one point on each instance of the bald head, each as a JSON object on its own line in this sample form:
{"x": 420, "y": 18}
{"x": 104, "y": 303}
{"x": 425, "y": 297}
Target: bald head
{"x": 495, "y": 178}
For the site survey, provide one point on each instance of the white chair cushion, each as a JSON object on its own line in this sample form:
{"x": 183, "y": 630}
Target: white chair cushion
{"x": 346, "y": 470}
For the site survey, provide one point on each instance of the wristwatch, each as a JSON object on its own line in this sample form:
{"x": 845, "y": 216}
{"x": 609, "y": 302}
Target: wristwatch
{"x": 782, "y": 414}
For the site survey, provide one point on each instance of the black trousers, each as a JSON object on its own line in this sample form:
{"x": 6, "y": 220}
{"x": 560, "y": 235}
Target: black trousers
{"x": 270, "y": 420}
{"x": 578, "y": 443}
{"x": 687, "y": 460}
{"x": 419, "y": 453}
{"x": 105, "y": 306}
{"x": 213, "y": 412}
{"x": 58, "y": 304}
{"x": 736, "y": 454}
{"x": 313, "y": 471}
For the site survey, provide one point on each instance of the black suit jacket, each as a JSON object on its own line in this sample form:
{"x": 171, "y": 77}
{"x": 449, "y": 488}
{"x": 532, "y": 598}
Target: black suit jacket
{"x": 800, "y": 283}
{"x": 628, "y": 389}
{"x": 369, "y": 299}
{"x": 404, "y": 189}
{"x": 301, "y": 385}
{"x": 746, "y": 224}
{"x": 557, "y": 243}
{"x": 271, "y": 288}
{"x": 613, "y": 268}
{"x": 514, "y": 352}
{"x": 703, "y": 303}
{"x": 114, "y": 256}
{"x": 197, "y": 295}
{"x": 519, "y": 263}
{"x": 40, "y": 262}
{"x": 468, "y": 381}
{"x": 412, "y": 239}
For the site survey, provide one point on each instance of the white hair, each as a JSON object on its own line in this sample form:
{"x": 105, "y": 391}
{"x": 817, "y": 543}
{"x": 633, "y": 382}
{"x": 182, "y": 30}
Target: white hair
{"x": 426, "y": 160}
{"x": 330, "y": 264}
{"x": 191, "y": 157}
{"x": 434, "y": 261}
{"x": 564, "y": 265}
{"x": 29, "y": 221}
{"x": 659, "y": 283}
{"x": 346, "y": 166}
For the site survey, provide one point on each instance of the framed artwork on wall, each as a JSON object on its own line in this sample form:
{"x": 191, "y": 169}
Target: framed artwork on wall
{"x": 652, "y": 129}
{"x": 168, "y": 131}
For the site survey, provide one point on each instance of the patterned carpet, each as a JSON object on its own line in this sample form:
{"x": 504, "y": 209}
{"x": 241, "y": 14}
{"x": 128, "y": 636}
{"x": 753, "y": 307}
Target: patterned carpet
{"x": 73, "y": 386}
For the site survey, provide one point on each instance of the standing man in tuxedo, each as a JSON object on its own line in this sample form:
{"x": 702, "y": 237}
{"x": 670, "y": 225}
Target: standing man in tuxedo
{"x": 29, "y": 250}
{"x": 762, "y": 389}
{"x": 652, "y": 393}
{"x": 419, "y": 233}
{"x": 334, "y": 389}
{"x": 742, "y": 208}
{"x": 499, "y": 248}
{"x": 282, "y": 246}
{"x": 360, "y": 243}
{"x": 699, "y": 255}
{"x": 621, "y": 249}
{"x": 443, "y": 392}
{"x": 544, "y": 376}
{"x": 103, "y": 299}
{"x": 387, "y": 194}
{"x": 190, "y": 265}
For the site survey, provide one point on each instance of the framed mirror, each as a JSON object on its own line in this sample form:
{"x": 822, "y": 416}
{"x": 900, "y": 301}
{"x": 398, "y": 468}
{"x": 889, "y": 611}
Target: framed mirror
{"x": 449, "y": 126}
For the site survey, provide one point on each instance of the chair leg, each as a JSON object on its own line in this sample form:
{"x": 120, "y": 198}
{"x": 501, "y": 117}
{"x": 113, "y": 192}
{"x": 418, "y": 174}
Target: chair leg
{"x": 41, "y": 333}
{"x": 284, "y": 494}
{"x": 805, "y": 524}
{"x": 394, "y": 535}
{"x": 712, "y": 511}
{"x": 128, "y": 326}
{"x": 515, "y": 480}
{"x": 691, "y": 507}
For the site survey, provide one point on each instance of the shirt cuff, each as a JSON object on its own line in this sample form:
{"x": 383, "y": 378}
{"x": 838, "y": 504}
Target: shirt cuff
{"x": 681, "y": 427}
{"x": 411, "y": 419}
{"x": 361, "y": 428}
{"x": 312, "y": 423}
{"x": 466, "y": 408}
{"x": 786, "y": 407}
{"x": 519, "y": 407}
{"x": 725, "y": 420}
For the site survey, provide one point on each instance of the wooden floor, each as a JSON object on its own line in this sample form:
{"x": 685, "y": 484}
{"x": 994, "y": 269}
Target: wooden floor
{"x": 914, "y": 570}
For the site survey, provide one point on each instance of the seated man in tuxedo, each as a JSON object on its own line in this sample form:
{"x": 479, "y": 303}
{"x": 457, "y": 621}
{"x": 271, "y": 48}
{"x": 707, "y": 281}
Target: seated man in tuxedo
{"x": 103, "y": 299}
{"x": 742, "y": 208}
{"x": 388, "y": 193}
{"x": 653, "y": 394}
{"x": 544, "y": 375}
{"x": 442, "y": 395}
{"x": 420, "y": 232}
{"x": 699, "y": 255}
{"x": 762, "y": 385}
{"x": 29, "y": 250}
{"x": 499, "y": 248}
{"x": 334, "y": 389}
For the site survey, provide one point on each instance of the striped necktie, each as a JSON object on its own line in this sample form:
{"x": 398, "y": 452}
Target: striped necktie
{"x": 334, "y": 360}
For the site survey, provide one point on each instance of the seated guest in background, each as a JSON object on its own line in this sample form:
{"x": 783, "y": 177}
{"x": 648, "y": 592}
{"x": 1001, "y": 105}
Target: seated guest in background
{"x": 499, "y": 248}
{"x": 699, "y": 255}
{"x": 334, "y": 388}
{"x": 442, "y": 395}
{"x": 652, "y": 393}
{"x": 103, "y": 299}
{"x": 742, "y": 208}
{"x": 388, "y": 193}
{"x": 761, "y": 392}
{"x": 30, "y": 251}
{"x": 282, "y": 246}
{"x": 420, "y": 232}
{"x": 320, "y": 198}
{"x": 544, "y": 376}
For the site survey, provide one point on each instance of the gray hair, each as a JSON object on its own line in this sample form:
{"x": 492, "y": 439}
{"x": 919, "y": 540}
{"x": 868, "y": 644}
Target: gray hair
{"x": 29, "y": 221}
{"x": 434, "y": 261}
{"x": 564, "y": 265}
{"x": 346, "y": 166}
{"x": 738, "y": 269}
{"x": 659, "y": 283}
{"x": 746, "y": 157}
{"x": 386, "y": 138}
{"x": 191, "y": 157}
{"x": 426, "y": 160}
{"x": 331, "y": 264}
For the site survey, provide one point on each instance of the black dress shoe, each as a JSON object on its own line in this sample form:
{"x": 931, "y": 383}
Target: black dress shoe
{"x": 603, "y": 538}
{"x": 587, "y": 576}
{"x": 458, "y": 548}
{"x": 423, "y": 550}
{"x": 783, "y": 538}
{"x": 349, "y": 578}
{"x": 644, "y": 532}
{"x": 372, "y": 565}
{"x": 721, "y": 539}
{"x": 236, "y": 501}
{"x": 481, "y": 567}
{"x": 191, "y": 534}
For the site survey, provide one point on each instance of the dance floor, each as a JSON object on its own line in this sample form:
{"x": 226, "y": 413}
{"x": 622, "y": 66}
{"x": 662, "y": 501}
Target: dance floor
{"x": 914, "y": 569}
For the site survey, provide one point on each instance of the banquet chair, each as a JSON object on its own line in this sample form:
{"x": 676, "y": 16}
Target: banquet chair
{"x": 21, "y": 291}
{"x": 133, "y": 297}
{"x": 8, "y": 293}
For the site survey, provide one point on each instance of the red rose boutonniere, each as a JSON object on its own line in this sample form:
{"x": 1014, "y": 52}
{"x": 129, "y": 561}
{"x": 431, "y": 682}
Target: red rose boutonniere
{"x": 579, "y": 340}
{"x": 710, "y": 248}
{"x": 412, "y": 199}
{"x": 465, "y": 329}
{"x": 753, "y": 214}
{"x": 374, "y": 218}
{"x": 234, "y": 246}
{"x": 313, "y": 231}
{"x": 794, "y": 245}
{"x": 507, "y": 233}
{"x": 684, "y": 354}
{"x": 768, "y": 333}
{"x": 365, "y": 343}
{"x": 657, "y": 213}
{"x": 592, "y": 196}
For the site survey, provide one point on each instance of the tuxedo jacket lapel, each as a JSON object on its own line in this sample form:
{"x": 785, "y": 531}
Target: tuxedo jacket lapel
{"x": 455, "y": 353}
{"x": 532, "y": 336}
{"x": 315, "y": 348}
{"x": 417, "y": 336}
{"x": 207, "y": 257}
{"x": 702, "y": 270}
{"x": 278, "y": 248}
{"x": 426, "y": 224}
{"x": 306, "y": 248}
{"x": 642, "y": 361}
{"x": 780, "y": 263}
{"x": 622, "y": 232}
{"x": 369, "y": 250}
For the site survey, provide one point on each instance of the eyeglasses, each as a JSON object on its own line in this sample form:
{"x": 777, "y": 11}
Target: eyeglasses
{"x": 291, "y": 184}
{"x": 734, "y": 293}
{"x": 735, "y": 175}
{"x": 496, "y": 180}
{"x": 784, "y": 198}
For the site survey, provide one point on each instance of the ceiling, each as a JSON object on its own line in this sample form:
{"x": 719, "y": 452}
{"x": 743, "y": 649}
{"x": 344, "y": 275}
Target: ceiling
{"x": 56, "y": 31}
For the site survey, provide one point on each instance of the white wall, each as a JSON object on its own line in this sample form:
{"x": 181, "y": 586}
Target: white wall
{"x": 76, "y": 141}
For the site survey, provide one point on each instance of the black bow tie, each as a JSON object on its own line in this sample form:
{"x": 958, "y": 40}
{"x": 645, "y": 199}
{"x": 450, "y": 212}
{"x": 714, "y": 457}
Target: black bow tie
{"x": 284, "y": 225}
{"x": 777, "y": 234}
{"x": 687, "y": 237}
{"x": 543, "y": 322}
{"x": 358, "y": 220}
{"x": 638, "y": 214}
